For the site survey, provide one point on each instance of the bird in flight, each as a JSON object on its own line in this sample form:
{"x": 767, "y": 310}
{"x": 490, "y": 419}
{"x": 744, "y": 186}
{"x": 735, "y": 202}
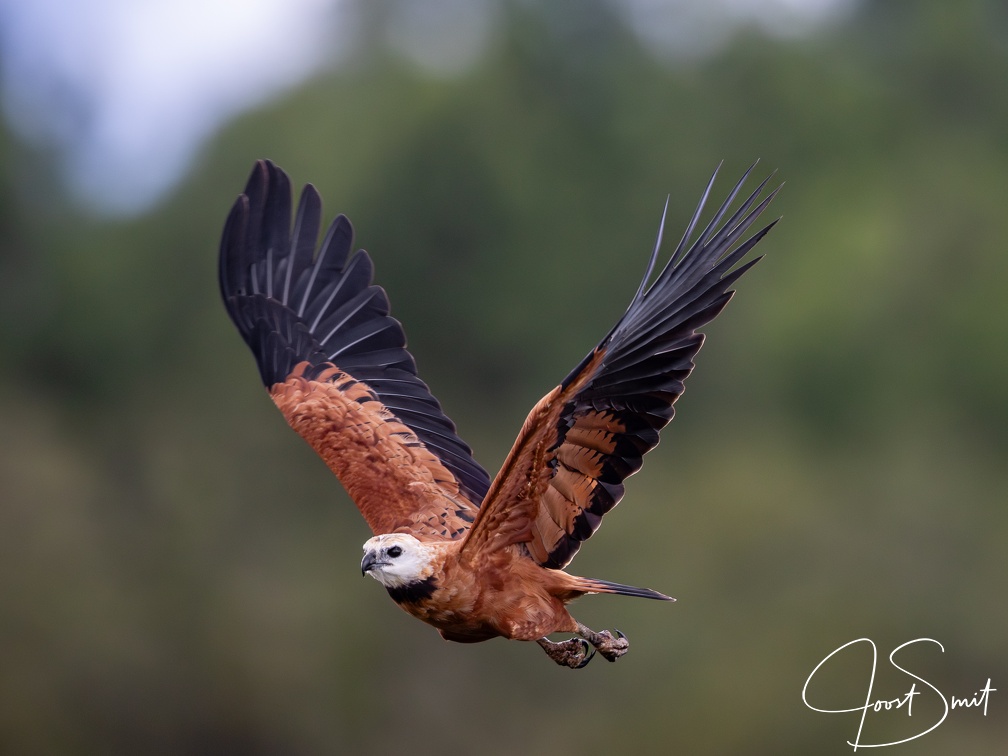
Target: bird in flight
{"x": 473, "y": 556}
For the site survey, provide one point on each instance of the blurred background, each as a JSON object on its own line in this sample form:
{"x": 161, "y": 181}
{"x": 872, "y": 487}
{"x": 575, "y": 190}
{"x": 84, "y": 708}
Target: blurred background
{"x": 179, "y": 572}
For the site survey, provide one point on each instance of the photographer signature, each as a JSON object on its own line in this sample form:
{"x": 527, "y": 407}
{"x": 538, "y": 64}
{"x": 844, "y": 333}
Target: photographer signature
{"x": 980, "y": 698}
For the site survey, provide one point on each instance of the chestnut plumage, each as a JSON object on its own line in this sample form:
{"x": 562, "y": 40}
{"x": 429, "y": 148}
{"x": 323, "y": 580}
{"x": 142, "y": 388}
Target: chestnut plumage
{"x": 474, "y": 557}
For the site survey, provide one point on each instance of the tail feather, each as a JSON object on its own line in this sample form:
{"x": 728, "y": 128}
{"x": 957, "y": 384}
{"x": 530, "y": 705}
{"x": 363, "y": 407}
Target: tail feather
{"x": 589, "y": 585}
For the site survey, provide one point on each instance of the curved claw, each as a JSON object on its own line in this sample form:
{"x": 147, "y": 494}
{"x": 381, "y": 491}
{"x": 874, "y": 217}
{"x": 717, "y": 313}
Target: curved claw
{"x": 573, "y": 653}
{"x": 585, "y": 645}
{"x": 619, "y": 635}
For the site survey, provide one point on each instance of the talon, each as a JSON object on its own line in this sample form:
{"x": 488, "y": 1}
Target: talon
{"x": 573, "y": 653}
{"x": 615, "y": 645}
{"x": 589, "y": 656}
{"x": 612, "y": 647}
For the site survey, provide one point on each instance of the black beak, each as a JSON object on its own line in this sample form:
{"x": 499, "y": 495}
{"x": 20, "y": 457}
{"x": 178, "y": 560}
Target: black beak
{"x": 368, "y": 562}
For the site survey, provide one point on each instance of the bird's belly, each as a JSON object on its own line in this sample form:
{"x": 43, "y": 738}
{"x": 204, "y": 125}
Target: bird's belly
{"x": 454, "y": 624}
{"x": 513, "y": 615}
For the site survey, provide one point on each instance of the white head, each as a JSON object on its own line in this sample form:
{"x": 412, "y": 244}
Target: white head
{"x": 397, "y": 559}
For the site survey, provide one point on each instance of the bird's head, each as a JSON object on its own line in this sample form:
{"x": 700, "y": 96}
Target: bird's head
{"x": 397, "y": 560}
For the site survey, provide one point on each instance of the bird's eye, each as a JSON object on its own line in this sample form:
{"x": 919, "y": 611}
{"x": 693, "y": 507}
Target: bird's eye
{"x": 395, "y": 551}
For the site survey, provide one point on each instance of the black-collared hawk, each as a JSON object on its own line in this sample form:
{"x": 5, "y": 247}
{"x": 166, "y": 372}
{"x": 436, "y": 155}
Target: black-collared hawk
{"x": 474, "y": 557}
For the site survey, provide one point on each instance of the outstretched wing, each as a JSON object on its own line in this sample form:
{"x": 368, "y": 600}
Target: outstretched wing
{"x": 336, "y": 364}
{"x": 584, "y": 438}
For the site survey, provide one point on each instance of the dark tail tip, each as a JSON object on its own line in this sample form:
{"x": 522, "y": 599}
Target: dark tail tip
{"x": 605, "y": 586}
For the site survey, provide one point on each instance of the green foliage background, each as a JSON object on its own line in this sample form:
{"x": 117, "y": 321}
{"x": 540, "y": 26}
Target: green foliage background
{"x": 178, "y": 572}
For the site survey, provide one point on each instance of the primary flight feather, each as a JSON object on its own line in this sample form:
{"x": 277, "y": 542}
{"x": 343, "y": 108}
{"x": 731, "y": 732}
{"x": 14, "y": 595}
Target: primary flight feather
{"x": 474, "y": 557}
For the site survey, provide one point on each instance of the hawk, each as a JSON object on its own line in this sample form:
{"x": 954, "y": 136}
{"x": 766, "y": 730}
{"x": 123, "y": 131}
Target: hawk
{"x": 473, "y": 556}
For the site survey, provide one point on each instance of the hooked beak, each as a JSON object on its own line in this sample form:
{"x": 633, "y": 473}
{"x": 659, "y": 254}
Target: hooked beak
{"x": 368, "y": 563}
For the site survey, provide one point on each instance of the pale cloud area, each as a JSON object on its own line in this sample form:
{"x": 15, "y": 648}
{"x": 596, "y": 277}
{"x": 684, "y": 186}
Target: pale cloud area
{"x": 124, "y": 92}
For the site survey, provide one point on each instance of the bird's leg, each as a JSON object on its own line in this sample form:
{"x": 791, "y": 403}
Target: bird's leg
{"x": 573, "y": 653}
{"x": 612, "y": 647}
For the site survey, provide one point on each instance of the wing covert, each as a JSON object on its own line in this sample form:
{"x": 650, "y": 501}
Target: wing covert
{"x": 335, "y": 362}
{"x": 567, "y": 467}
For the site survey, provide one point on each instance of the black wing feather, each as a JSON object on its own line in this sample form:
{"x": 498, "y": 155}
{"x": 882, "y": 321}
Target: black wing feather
{"x": 649, "y": 353}
{"x": 293, "y": 306}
